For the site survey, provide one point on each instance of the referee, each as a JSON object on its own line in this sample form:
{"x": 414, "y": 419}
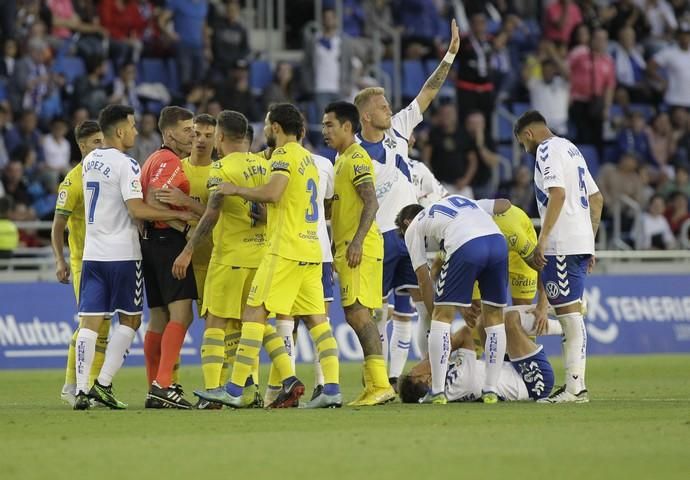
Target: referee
{"x": 169, "y": 300}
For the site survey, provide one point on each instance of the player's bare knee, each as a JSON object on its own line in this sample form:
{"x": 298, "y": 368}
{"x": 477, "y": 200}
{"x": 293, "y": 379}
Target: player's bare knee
{"x": 492, "y": 315}
{"x": 215, "y": 322}
{"x": 512, "y": 321}
{"x": 255, "y": 314}
{"x": 91, "y": 322}
{"x": 443, "y": 313}
{"x": 131, "y": 321}
{"x": 357, "y": 315}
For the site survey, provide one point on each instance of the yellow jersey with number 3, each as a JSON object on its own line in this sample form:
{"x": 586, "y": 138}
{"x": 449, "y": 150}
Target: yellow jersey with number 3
{"x": 198, "y": 190}
{"x": 293, "y": 221}
{"x": 353, "y": 168}
{"x": 70, "y": 203}
{"x": 238, "y": 240}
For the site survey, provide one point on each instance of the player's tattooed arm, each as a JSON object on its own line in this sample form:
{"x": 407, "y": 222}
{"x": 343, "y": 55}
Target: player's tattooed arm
{"x": 435, "y": 81}
{"x": 208, "y": 220}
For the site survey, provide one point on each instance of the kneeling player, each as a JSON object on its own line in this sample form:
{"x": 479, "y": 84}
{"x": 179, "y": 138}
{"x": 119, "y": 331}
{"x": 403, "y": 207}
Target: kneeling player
{"x": 528, "y": 375}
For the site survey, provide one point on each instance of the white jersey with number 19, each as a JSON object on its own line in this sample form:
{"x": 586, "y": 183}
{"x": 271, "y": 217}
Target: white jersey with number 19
{"x": 560, "y": 164}
{"x": 394, "y": 189}
{"x": 110, "y": 179}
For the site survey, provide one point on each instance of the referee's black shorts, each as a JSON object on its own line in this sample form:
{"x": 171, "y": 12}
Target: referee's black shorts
{"x": 159, "y": 249}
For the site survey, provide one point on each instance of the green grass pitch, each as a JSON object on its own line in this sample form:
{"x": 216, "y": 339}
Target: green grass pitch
{"x": 637, "y": 426}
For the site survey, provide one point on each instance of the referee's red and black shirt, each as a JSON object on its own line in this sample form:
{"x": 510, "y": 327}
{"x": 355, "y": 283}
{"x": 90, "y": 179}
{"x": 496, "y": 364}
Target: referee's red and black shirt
{"x": 163, "y": 169}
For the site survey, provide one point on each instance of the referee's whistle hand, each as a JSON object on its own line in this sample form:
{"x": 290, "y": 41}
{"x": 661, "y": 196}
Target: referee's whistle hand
{"x": 179, "y": 268}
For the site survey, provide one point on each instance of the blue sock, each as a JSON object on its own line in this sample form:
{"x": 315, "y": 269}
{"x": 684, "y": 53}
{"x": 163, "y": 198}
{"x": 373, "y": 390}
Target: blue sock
{"x": 234, "y": 390}
{"x": 331, "y": 389}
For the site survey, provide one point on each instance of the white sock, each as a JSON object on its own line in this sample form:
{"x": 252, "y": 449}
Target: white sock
{"x": 284, "y": 329}
{"x": 439, "y": 351}
{"x": 400, "y": 346}
{"x": 116, "y": 353}
{"x": 575, "y": 347}
{"x": 85, "y": 350}
{"x": 381, "y": 324}
{"x": 318, "y": 372}
{"x": 553, "y": 327}
{"x": 494, "y": 350}
{"x": 422, "y": 328}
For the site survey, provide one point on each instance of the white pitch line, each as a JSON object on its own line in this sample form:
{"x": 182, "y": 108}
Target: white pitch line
{"x": 63, "y": 352}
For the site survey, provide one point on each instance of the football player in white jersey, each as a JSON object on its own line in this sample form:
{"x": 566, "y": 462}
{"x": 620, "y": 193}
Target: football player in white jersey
{"x": 570, "y": 209}
{"x": 475, "y": 251}
{"x": 111, "y": 279}
{"x": 385, "y": 137}
{"x": 527, "y": 376}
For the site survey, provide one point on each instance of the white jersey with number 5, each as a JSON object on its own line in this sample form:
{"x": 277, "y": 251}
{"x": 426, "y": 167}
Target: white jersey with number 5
{"x": 448, "y": 225}
{"x": 394, "y": 189}
{"x": 110, "y": 179}
{"x": 560, "y": 164}
{"x": 326, "y": 181}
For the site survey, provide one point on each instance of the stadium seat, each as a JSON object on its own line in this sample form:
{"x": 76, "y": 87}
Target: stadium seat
{"x": 413, "y": 78}
{"x": 3, "y": 91}
{"x": 505, "y": 129}
{"x": 647, "y": 111}
{"x": 506, "y": 151}
{"x": 591, "y": 157}
{"x": 388, "y": 68}
{"x": 109, "y": 73}
{"x": 610, "y": 154}
{"x": 71, "y": 67}
{"x": 153, "y": 70}
{"x": 173, "y": 83}
{"x": 520, "y": 108}
{"x": 260, "y": 76}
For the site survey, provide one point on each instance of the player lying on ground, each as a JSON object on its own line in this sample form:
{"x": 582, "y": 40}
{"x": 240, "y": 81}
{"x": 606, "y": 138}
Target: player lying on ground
{"x": 528, "y": 375}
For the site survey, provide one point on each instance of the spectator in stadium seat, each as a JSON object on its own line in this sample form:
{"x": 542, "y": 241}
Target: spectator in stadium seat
{"x": 663, "y": 141}
{"x": 378, "y": 16}
{"x": 89, "y": 91}
{"x": 15, "y": 184}
{"x": 624, "y": 13}
{"x": 56, "y": 149}
{"x": 421, "y": 25}
{"x": 4, "y": 153}
{"x": 679, "y": 183}
{"x": 622, "y": 178}
{"x": 78, "y": 116}
{"x": 662, "y": 20}
{"x": 353, "y": 18}
{"x": 9, "y": 235}
{"x": 652, "y": 231}
{"x": 560, "y": 20}
{"x": 474, "y": 80}
{"x": 9, "y": 58}
{"x": 148, "y": 140}
{"x": 30, "y": 82}
{"x": 675, "y": 60}
{"x": 677, "y": 212}
{"x": 592, "y": 85}
{"x": 190, "y": 34}
{"x": 590, "y": 11}
{"x": 631, "y": 66}
{"x": 481, "y": 146}
{"x": 125, "y": 88}
{"x": 444, "y": 153}
{"x": 125, "y": 24}
{"x": 234, "y": 92}
{"x": 229, "y": 40}
{"x": 327, "y": 65}
{"x": 282, "y": 88}
{"x": 520, "y": 190}
{"x": 549, "y": 93}
{"x": 634, "y": 138}
{"x": 25, "y": 134}
{"x": 70, "y": 18}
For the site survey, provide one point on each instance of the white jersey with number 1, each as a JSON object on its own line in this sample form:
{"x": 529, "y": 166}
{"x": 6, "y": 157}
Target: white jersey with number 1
{"x": 110, "y": 179}
{"x": 394, "y": 189}
{"x": 560, "y": 164}
{"x": 325, "y": 191}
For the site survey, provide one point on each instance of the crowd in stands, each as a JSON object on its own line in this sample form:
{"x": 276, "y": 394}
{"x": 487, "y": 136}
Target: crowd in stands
{"x": 613, "y": 76}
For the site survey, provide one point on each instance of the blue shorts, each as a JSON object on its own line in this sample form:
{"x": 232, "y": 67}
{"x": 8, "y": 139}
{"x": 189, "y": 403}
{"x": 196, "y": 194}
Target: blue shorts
{"x": 110, "y": 287}
{"x": 327, "y": 281}
{"x": 398, "y": 273}
{"x": 402, "y": 305}
{"x": 483, "y": 259}
{"x": 564, "y": 278}
{"x": 537, "y": 373}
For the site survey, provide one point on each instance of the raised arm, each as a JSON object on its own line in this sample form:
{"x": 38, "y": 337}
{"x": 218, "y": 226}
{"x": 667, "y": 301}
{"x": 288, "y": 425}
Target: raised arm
{"x": 434, "y": 83}
{"x": 367, "y": 193}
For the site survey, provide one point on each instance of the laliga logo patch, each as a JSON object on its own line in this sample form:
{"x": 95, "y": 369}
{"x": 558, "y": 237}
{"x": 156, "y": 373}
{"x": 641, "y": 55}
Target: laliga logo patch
{"x": 62, "y": 197}
{"x": 136, "y": 186}
{"x": 552, "y": 290}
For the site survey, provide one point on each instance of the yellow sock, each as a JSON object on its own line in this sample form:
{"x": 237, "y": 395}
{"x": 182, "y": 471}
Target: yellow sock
{"x": 322, "y": 336}
{"x": 70, "y": 369}
{"x": 377, "y": 370}
{"x": 212, "y": 356}
{"x": 232, "y": 339}
{"x": 275, "y": 347}
{"x": 247, "y": 351}
{"x": 101, "y": 345}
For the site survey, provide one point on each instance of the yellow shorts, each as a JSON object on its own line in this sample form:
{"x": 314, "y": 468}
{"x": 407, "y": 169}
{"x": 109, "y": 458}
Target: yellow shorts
{"x": 287, "y": 287}
{"x": 523, "y": 280}
{"x": 226, "y": 290}
{"x": 75, "y": 273}
{"x": 200, "y": 277}
{"x": 362, "y": 284}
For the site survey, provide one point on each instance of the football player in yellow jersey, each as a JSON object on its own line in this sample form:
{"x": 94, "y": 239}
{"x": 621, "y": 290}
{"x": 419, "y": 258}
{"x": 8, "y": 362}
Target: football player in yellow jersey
{"x": 358, "y": 242}
{"x": 69, "y": 214}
